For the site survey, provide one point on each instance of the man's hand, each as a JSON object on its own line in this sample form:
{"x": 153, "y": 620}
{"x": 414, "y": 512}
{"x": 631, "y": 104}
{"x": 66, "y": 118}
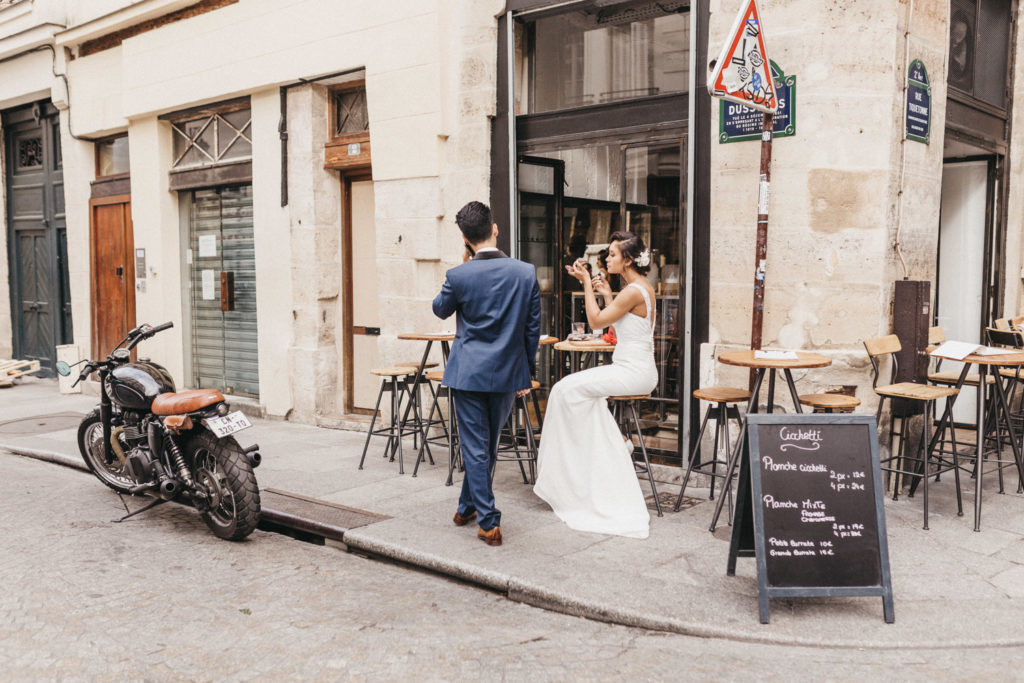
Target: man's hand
{"x": 522, "y": 392}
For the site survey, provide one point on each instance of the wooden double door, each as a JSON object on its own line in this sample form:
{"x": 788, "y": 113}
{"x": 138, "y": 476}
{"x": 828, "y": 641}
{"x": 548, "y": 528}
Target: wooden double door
{"x": 36, "y": 233}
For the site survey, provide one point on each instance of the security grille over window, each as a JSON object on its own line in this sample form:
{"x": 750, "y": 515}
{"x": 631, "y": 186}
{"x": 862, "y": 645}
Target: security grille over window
{"x": 213, "y": 139}
{"x": 30, "y": 152}
{"x": 350, "y": 112}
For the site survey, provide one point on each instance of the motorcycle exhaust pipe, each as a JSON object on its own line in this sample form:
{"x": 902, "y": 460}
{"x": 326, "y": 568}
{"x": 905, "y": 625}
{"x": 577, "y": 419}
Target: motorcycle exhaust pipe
{"x": 169, "y": 488}
{"x": 253, "y": 453}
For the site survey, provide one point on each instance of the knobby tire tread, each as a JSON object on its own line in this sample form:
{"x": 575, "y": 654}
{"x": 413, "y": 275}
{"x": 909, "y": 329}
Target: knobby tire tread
{"x": 240, "y": 477}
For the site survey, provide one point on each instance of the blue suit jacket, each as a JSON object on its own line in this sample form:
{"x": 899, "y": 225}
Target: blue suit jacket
{"x": 497, "y": 302}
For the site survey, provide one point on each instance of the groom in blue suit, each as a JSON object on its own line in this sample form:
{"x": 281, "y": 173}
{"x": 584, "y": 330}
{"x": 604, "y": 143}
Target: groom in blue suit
{"x": 493, "y": 357}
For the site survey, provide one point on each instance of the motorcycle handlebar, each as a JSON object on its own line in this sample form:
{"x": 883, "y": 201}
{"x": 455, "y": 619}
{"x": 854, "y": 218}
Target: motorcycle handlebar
{"x": 160, "y": 328}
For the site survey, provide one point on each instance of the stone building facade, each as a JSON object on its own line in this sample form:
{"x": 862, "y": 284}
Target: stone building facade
{"x": 267, "y": 76}
{"x": 572, "y": 118}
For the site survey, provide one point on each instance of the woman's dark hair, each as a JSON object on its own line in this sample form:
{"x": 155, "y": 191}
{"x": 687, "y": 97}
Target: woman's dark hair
{"x": 474, "y": 220}
{"x": 631, "y": 246}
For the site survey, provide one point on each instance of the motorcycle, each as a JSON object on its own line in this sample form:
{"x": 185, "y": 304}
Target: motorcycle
{"x": 145, "y": 438}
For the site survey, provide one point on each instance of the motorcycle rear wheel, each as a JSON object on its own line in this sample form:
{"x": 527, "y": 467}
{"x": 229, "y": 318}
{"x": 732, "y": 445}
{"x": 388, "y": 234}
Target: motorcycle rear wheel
{"x": 222, "y": 468}
{"x": 90, "y": 444}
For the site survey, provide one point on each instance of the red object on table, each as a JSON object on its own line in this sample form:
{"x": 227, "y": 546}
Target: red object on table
{"x": 609, "y": 336}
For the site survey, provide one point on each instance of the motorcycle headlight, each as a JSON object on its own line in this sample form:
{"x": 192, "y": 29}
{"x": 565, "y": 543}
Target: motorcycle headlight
{"x": 222, "y": 409}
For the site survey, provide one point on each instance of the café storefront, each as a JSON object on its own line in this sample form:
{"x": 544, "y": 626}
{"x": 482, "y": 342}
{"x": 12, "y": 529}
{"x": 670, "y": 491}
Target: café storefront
{"x": 593, "y": 135}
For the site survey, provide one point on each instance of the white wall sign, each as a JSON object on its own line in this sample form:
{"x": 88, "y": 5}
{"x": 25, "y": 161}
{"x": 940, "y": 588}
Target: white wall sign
{"x": 207, "y": 246}
{"x": 208, "y": 289}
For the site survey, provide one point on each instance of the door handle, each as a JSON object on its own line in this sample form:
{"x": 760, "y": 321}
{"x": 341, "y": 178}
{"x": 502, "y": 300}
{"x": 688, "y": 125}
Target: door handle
{"x": 369, "y": 331}
{"x": 120, "y": 273}
{"x": 227, "y": 291}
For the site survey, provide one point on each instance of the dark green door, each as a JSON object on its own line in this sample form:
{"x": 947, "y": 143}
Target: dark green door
{"x": 36, "y": 233}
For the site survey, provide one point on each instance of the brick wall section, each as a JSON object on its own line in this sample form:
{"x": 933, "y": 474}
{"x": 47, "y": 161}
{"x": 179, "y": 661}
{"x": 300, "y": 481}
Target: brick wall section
{"x": 117, "y": 37}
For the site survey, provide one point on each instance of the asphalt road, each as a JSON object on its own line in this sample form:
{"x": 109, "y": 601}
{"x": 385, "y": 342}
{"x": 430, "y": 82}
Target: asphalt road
{"x": 160, "y": 598}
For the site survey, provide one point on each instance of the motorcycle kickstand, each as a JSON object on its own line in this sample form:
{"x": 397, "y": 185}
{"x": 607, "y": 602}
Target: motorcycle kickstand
{"x": 158, "y": 501}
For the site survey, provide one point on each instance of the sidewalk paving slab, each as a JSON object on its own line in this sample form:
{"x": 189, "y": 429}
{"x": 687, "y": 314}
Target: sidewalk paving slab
{"x": 952, "y": 587}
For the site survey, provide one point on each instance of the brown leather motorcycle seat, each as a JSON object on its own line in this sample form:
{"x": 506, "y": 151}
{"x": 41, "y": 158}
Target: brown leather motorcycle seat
{"x": 185, "y": 401}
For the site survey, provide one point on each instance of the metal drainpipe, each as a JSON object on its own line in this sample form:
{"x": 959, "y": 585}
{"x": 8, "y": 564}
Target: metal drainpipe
{"x": 282, "y": 125}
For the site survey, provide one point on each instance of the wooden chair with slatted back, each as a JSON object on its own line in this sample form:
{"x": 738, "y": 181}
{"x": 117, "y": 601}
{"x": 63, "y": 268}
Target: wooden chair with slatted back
{"x": 914, "y": 398}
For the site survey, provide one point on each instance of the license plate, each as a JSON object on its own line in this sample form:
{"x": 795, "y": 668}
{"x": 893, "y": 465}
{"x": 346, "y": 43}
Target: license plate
{"x": 229, "y": 424}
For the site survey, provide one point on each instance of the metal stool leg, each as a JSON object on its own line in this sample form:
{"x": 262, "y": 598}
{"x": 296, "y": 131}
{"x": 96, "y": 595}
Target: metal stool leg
{"x": 647, "y": 462}
{"x": 430, "y": 420}
{"x": 373, "y": 421}
{"x": 692, "y": 458}
{"x": 453, "y": 426}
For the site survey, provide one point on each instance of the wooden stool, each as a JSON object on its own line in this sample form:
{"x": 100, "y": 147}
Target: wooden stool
{"x": 631, "y": 424}
{"x": 719, "y": 399}
{"x": 395, "y": 380}
{"x": 829, "y": 403}
{"x": 417, "y": 406}
{"x": 519, "y": 430}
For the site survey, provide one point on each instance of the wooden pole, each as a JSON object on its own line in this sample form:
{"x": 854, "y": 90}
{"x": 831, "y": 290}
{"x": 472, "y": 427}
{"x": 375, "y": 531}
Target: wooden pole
{"x": 761, "y": 253}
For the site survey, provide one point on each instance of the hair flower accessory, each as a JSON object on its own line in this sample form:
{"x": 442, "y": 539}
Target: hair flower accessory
{"x": 644, "y": 259}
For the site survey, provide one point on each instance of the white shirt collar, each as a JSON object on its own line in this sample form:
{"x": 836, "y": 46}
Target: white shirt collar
{"x": 483, "y": 249}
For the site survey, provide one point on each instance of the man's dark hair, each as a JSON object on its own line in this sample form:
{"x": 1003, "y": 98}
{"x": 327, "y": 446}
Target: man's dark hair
{"x": 474, "y": 220}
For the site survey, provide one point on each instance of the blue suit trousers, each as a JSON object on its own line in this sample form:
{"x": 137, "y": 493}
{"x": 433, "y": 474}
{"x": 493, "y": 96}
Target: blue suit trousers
{"x": 481, "y": 415}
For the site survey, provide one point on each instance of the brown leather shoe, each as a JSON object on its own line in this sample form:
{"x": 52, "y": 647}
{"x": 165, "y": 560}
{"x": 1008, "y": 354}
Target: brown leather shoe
{"x": 492, "y": 537}
{"x": 459, "y": 520}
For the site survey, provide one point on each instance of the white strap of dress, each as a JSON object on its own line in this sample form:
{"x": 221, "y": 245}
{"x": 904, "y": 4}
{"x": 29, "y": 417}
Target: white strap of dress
{"x": 647, "y": 302}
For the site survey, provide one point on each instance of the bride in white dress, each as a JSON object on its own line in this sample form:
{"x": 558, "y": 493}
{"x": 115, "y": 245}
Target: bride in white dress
{"x": 585, "y": 469}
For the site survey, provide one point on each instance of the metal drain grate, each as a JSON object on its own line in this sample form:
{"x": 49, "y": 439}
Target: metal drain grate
{"x": 329, "y": 520}
{"x": 41, "y": 424}
{"x": 668, "y": 501}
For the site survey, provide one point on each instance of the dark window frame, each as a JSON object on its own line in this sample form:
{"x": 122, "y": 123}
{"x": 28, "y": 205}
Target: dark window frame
{"x": 96, "y": 157}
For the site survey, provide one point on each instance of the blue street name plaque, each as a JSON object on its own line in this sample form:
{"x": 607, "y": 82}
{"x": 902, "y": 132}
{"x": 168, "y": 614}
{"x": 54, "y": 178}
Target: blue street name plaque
{"x": 919, "y": 103}
{"x": 737, "y": 123}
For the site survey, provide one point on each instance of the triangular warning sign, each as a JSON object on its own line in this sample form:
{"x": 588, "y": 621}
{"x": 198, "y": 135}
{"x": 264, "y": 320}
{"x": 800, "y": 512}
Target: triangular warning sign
{"x": 741, "y": 73}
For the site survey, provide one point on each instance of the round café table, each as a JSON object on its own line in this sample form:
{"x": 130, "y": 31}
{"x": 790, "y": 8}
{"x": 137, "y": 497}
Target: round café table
{"x": 986, "y": 364}
{"x": 583, "y": 354}
{"x": 746, "y": 359}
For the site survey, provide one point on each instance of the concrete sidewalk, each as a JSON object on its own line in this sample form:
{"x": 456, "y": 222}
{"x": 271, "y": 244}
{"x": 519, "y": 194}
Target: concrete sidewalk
{"x": 952, "y": 587}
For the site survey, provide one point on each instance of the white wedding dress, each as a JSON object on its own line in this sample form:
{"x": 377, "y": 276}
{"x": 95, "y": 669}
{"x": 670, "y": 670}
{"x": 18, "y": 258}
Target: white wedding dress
{"x": 585, "y": 470}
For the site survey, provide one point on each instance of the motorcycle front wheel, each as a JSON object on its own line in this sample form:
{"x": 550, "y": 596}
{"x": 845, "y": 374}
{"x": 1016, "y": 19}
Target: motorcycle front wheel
{"x": 221, "y": 468}
{"x": 113, "y": 471}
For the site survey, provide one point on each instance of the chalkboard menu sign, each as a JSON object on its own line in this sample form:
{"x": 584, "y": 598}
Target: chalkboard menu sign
{"x": 816, "y": 498}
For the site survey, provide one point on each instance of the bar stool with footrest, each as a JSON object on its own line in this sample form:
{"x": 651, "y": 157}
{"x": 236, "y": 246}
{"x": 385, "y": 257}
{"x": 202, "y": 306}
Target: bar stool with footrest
{"x": 518, "y": 441}
{"x": 630, "y": 424}
{"x": 718, "y": 409}
{"x": 1012, "y": 378}
{"x": 395, "y": 381}
{"x": 449, "y": 437}
{"x": 416, "y": 405}
{"x": 899, "y": 463}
